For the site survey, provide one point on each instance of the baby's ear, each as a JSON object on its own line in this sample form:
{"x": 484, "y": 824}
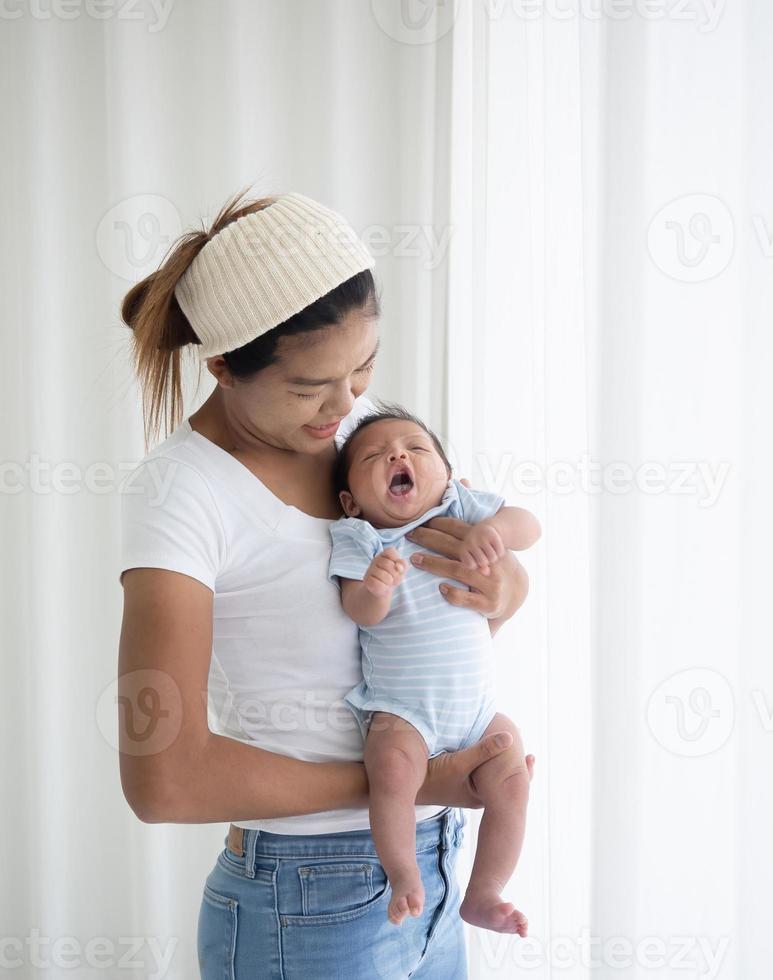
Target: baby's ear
{"x": 350, "y": 508}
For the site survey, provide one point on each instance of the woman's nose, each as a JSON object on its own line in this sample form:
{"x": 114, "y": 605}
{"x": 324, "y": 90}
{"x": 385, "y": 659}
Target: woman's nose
{"x": 342, "y": 403}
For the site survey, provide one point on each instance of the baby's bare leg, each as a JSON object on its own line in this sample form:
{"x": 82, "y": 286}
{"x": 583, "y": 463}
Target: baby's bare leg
{"x": 503, "y": 785}
{"x": 396, "y": 762}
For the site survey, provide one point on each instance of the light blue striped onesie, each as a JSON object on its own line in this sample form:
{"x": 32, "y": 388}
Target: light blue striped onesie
{"x": 427, "y": 661}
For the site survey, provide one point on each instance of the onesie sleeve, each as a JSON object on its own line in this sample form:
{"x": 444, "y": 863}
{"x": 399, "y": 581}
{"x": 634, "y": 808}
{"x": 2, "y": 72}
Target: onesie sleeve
{"x": 475, "y": 505}
{"x": 355, "y": 545}
{"x": 169, "y": 519}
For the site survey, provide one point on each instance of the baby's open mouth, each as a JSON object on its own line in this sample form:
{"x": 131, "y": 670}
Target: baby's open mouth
{"x": 400, "y": 484}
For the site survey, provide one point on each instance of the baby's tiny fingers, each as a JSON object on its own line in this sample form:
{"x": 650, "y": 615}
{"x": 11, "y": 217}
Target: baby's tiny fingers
{"x": 386, "y": 564}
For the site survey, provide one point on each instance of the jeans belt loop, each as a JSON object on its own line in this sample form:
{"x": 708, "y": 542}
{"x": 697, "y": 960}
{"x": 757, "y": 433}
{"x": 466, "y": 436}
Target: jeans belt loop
{"x": 460, "y": 821}
{"x": 448, "y": 823}
{"x": 252, "y": 841}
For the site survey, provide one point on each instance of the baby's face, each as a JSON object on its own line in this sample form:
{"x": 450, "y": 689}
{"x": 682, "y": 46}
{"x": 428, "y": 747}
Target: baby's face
{"x": 395, "y": 474}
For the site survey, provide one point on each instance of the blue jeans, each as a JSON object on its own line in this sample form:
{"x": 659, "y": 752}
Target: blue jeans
{"x": 314, "y": 907}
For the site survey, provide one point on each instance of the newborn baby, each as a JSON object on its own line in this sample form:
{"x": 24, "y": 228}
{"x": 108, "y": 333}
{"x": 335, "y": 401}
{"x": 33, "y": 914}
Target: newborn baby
{"x": 427, "y": 681}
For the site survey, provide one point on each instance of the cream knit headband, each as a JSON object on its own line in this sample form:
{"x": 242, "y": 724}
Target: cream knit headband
{"x": 262, "y": 268}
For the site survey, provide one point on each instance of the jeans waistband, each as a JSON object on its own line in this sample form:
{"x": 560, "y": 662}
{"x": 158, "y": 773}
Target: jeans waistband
{"x": 444, "y": 827}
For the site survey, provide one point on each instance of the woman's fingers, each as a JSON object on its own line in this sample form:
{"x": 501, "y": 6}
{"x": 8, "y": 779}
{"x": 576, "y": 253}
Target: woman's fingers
{"x": 440, "y": 534}
{"x": 483, "y": 750}
{"x": 463, "y": 597}
{"x": 447, "y": 567}
{"x": 484, "y": 556}
{"x": 484, "y": 593}
{"x": 493, "y": 552}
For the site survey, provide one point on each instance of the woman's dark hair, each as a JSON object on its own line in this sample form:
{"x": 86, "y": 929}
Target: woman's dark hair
{"x": 161, "y": 331}
{"x": 384, "y": 410}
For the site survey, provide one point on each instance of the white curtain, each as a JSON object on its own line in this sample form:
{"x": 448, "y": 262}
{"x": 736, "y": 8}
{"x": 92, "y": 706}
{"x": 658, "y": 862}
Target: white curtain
{"x": 521, "y": 302}
{"x": 570, "y": 207}
{"x": 608, "y": 288}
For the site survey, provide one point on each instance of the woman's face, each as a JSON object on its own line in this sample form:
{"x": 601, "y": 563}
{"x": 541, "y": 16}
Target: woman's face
{"x": 314, "y": 383}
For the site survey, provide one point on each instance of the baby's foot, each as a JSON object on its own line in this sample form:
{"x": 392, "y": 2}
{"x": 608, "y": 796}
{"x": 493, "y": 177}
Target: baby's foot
{"x": 486, "y": 910}
{"x": 407, "y": 897}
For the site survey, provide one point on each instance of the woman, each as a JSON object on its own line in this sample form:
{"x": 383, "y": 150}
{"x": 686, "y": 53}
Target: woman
{"x": 225, "y": 551}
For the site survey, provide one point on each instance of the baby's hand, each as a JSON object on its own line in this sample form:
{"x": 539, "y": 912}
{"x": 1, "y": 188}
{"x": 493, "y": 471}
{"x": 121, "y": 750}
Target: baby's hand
{"x": 385, "y": 572}
{"x": 482, "y": 545}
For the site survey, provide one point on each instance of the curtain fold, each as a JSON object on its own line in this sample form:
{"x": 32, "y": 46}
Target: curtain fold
{"x": 523, "y": 122}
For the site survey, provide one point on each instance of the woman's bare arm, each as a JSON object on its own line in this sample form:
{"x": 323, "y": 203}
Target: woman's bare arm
{"x": 173, "y": 768}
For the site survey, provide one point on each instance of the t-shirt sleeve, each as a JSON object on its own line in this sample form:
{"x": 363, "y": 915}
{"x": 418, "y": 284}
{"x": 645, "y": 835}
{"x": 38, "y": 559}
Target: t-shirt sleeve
{"x": 354, "y": 548}
{"x": 476, "y": 505}
{"x": 169, "y": 519}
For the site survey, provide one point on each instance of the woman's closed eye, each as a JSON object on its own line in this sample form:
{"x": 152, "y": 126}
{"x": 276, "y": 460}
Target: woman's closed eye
{"x": 362, "y": 370}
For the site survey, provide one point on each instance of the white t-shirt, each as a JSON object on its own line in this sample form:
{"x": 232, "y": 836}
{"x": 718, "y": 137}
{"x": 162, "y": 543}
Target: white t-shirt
{"x": 284, "y": 653}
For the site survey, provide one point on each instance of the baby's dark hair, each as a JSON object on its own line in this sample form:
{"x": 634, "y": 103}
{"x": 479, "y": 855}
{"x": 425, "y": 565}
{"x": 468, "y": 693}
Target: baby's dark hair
{"x": 385, "y": 411}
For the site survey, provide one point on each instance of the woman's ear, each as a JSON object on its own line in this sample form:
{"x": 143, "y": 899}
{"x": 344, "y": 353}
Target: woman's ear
{"x": 350, "y": 508}
{"x": 218, "y": 368}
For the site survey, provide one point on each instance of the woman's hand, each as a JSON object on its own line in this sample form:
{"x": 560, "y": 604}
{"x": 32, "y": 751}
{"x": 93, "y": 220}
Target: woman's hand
{"x": 496, "y": 594}
{"x": 449, "y": 779}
